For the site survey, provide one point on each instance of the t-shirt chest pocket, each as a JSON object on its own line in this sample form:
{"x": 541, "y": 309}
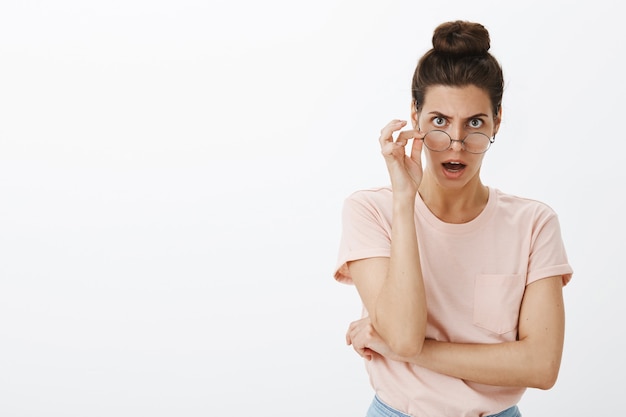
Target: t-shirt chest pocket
{"x": 497, "y": 301}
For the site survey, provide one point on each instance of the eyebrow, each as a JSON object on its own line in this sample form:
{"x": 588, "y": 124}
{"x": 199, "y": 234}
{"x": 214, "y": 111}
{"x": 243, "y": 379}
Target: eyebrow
{"x": 475, "y": 116}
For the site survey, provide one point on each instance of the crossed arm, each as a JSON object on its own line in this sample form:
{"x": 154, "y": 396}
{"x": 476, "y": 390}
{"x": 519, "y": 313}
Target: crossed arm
{"x": 531, "y": 361}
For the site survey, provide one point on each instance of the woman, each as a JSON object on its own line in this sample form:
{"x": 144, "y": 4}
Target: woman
{"x": 461, "y": 283}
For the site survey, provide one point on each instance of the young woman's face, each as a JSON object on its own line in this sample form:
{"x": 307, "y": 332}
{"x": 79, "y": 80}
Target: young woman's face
{"x": 458, "y": 111}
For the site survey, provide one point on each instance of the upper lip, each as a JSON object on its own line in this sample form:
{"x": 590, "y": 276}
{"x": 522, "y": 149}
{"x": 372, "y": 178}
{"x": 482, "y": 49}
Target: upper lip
{"x": 454, "y": 161}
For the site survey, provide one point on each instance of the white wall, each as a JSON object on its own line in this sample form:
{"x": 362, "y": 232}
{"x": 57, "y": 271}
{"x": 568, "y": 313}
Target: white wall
{"x": 171, "y": 181}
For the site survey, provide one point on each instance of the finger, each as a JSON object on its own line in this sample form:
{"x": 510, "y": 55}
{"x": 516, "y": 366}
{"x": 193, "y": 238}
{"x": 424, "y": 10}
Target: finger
{"x": 352, "y": 331}
{"x": 349, "y": 333}
{"x": 360, "y": 351}
{"x": 406, "y": 135}
{"x": 390, "y": 148}
{"x": 386, "y": 134}
{"x": 403, "y": 138}
{"x": 416, "y": 150}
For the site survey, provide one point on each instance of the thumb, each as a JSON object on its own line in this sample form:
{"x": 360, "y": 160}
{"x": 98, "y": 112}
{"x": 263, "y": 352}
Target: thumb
{"x": 416, "y": 149}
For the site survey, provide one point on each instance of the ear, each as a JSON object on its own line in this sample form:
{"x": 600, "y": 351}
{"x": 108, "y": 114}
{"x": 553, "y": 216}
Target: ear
{"x": 414, "y": 115}
{"x": 497, "y": 119}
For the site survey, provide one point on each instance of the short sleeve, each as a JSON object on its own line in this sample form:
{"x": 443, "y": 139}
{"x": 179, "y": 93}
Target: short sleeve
{"x": 548, "y": 256}
{"x": 366, "y": 231}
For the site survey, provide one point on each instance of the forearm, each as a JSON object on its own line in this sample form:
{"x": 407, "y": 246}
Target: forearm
{"x": 400, "y": 313}
{"x": 533, "y": 360}
{"x": 519, "y": 363}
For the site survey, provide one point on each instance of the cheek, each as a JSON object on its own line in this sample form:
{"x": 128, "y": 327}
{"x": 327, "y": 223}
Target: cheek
{"x": 429, "y": 156}
{"x": 415, "y": 124}
{"x": 478, "y": 162}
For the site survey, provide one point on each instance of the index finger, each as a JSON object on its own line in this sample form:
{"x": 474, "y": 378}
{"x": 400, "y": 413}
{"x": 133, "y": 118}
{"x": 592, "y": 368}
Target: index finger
{"x": 386, "y": 133}
{"x": 405, "y": 135}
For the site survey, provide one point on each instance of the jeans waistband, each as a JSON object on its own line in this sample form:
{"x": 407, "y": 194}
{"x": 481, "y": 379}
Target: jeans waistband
{"x": 380, "y": 409}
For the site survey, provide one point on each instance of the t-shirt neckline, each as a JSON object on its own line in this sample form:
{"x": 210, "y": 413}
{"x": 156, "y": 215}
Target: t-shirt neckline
{"x": 456, "y": 228}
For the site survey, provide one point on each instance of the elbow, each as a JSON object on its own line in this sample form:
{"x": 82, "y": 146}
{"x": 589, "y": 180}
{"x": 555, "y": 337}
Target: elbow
{"x": 403, "y": 337}
{"x": 540, "y": 364}
{"x": 403, "y": 342}
{"x": 407, "y": 345}
{"x": 408, "y": 349}
{"x": 545, "y": 378}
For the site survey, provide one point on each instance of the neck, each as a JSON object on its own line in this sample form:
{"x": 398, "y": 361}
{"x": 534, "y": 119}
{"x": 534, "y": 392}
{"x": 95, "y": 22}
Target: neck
{"x": 454, "y": 205}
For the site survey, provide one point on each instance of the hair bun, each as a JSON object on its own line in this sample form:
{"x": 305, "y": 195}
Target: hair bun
{"x": 460, "y": 38}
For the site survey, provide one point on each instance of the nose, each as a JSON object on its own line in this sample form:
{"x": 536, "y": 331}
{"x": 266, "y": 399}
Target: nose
{"x": 457, "y": 134}
{"x": 456, "y": 145}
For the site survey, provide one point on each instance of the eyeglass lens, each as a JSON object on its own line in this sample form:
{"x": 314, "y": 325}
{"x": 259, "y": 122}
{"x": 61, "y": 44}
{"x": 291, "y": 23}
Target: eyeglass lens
{"x": 439, "y": 141}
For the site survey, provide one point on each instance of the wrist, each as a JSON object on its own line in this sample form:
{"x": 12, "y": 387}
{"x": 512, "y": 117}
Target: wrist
{"x": 404, "y": 201}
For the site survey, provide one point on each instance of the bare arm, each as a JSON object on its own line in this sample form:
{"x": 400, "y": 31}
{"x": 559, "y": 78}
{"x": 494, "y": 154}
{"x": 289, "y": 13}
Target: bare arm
{"x": 392, "y": 289}
{"x": 532, "y": 361}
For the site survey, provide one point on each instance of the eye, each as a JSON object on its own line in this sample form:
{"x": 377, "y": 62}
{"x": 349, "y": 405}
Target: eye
{"x": 439, "y": 121}
{"x": 475, "y": 123}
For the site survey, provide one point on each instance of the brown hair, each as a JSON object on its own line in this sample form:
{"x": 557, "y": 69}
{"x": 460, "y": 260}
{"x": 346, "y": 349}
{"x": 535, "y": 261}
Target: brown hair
{"x": 459, "y": 57}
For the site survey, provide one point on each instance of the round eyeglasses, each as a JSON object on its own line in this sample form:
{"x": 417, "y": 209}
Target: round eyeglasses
{"x": 439, "y": 141}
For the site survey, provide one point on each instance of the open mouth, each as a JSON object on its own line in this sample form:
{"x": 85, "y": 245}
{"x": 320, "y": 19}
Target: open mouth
{"x": 453, "y": 166}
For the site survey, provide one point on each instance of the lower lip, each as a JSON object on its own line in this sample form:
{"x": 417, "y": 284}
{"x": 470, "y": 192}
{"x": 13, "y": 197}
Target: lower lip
{"x": 452, "y": 175}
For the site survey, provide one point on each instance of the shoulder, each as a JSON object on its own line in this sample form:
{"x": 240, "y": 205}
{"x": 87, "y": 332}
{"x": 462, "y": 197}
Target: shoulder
{"x": 515, "y": 205}
{"x": 371, "y": 203}
{"x": 374, "y": 198}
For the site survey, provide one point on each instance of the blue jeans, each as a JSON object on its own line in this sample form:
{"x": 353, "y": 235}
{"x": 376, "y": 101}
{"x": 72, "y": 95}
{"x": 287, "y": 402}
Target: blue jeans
{"x": 380, "y": 409}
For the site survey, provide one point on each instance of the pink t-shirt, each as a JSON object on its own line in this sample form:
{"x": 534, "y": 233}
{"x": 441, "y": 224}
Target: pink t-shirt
{"x": 475, "y": 274}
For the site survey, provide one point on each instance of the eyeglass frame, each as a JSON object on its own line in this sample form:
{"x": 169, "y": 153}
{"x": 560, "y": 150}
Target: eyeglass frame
{"x": 490, "y": 139}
